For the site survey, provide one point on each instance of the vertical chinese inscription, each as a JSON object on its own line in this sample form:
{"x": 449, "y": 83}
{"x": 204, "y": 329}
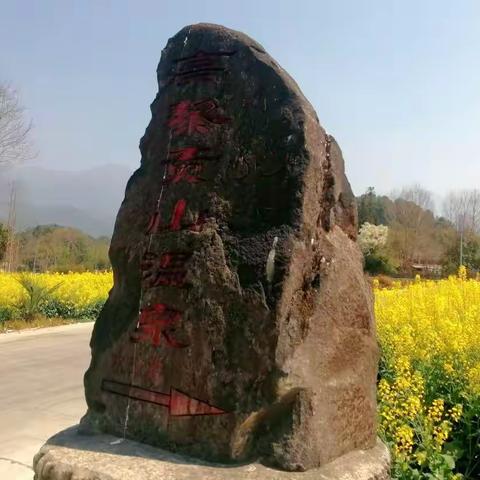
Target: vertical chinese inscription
{"x": 191, "y": 121}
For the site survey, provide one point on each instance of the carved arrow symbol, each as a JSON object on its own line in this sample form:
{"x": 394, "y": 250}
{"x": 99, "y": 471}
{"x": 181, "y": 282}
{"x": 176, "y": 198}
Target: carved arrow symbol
{"x": 178, "y": 403}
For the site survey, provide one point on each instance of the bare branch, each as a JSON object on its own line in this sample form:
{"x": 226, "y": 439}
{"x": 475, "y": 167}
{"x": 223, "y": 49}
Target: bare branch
{"x": 418, "y": 195}
{"x": 15, "y": 130}
{"x": 462, "y": 208}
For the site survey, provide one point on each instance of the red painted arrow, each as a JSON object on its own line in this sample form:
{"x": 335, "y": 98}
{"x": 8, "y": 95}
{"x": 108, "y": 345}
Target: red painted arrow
{"x": 178, "y": 403}
{"x": 181, "y": 404}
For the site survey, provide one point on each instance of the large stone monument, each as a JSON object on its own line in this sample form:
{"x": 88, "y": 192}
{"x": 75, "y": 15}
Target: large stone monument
{"x": 240, "y": 326}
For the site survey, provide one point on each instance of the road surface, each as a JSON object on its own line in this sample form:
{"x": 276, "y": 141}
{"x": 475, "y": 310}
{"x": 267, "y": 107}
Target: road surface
{"x": 41, "y": 391}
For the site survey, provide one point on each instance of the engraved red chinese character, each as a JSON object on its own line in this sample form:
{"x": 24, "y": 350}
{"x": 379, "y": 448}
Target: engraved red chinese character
{"x": 198, "y": 224}
{"x": 155, "y": 222}
{"x": 177, "y": 215}
{"x": 156, "y": 324}
{"x": 168, "y": 269}
{"x": 202, "y": 66}
{"x": 189, "y": 118}
{"x": 185, "y": 164}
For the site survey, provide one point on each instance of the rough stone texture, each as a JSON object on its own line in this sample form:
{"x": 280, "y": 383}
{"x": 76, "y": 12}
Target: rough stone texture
{"x": 236, "y": 241}
{"x": 69, "y": 456}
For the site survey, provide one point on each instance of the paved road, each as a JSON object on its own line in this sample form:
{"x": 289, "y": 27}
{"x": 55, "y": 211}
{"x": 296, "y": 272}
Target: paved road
{"x": 41, "y": 391}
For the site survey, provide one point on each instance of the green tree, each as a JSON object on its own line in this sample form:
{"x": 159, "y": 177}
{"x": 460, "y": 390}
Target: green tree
{"x": 371, "y": 208}
{"x": 471, "y": 254}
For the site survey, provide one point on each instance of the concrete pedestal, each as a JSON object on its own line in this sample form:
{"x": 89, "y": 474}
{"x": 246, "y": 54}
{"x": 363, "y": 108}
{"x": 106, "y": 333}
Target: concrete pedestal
{"x": 70, "y": 456}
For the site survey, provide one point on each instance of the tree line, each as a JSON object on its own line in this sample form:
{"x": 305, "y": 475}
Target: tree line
{"x": 415, "y": 238}
{"x": 399, "y": 235}
{"x": 56, "y": 249}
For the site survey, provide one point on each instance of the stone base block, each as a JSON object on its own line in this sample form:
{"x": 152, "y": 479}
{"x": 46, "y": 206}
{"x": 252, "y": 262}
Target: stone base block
{"x": 70, "y": 456}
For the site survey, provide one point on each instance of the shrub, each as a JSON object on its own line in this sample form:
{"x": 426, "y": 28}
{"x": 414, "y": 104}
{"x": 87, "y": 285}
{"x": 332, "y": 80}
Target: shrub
{"x": 92, "y": 310}
{"x": 6, "y": 314}
{"x": 54, "y": 307}
{"x": 378, "y": 263}
{"x": 37, "y": 295}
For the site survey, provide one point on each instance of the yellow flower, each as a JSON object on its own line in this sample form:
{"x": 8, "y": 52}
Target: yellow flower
{"x": 421, "y": 457}
{"x": 404, "y": 436}
{"x": 456, "y": 412}
{"x": 435, "y": 412}
{"x": 448, "y": 367}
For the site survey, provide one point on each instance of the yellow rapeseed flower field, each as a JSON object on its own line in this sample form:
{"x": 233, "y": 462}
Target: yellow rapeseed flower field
{"x": 429, "y": 388}
{"x": 76, "y": 291}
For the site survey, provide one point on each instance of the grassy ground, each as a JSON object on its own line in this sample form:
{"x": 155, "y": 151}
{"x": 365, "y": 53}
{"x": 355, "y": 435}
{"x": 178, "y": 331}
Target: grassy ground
{"x": 39, "y": 322}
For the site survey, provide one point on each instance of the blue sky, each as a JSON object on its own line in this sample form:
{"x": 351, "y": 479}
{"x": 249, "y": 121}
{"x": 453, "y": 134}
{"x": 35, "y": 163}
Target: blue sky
{"x": 396, "y": 82}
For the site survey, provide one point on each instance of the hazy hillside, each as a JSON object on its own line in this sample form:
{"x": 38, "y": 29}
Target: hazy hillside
{"x": 87, "y": 200}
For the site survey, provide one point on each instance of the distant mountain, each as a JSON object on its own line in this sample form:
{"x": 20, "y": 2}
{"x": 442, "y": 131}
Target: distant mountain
{"x": 87, "y": 200}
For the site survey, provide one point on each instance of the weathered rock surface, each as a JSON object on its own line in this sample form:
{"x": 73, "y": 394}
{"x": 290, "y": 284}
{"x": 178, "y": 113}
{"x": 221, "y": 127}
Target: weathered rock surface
{"x": 69, "y": 456}
{"x": 240, "y": 325}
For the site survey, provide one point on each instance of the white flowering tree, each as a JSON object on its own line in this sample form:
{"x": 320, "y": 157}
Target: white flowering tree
{"x": 372, "y": 237}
